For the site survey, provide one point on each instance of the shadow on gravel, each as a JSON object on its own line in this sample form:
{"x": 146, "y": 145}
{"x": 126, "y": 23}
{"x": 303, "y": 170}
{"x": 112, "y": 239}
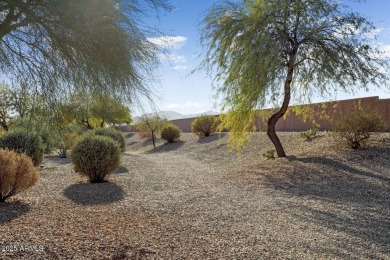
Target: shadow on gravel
{"x": 58, "y": 160}
{"x": 166, "y": 147}
{"x": 129, "y": 135}
{"x": 121, "y": 169}
{"x": 338, "y": 166}
{"x": 211, "y": 138}
{"x": 355, "y": 196}
{"x": 129, "y": 252}
{"x": 12, "y": 210}
{"x": 94, "y": 193}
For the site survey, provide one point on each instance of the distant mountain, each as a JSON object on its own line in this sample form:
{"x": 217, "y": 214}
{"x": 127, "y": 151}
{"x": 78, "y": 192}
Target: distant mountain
{"x": 210, "y": 112}
{"x": 172, "y": 115}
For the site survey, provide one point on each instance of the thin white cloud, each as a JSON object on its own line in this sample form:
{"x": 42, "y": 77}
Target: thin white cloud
{"x": 180, "y": 67}
{"x": 174, "y": 58}
{"x": 385, "y": 48}
{"x": 169, "y": 42}
{"x": 171, "y": 45}
{"x": 178, "y": 62}
{"x": 185, "y": 105}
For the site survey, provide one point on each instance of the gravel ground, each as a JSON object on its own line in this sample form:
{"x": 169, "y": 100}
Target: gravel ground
{"x": 193, "y": 200}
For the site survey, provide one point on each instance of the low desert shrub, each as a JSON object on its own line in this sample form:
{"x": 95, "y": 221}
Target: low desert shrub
{"x": 170, "y": 133}
{"x": 204, "y": 126}
{"x": 358, "y": 126}
{"x": 39, "y": 125}
{"x": 113, "y": 133}
{"x": 50, "y": 140}
{"x": 95, "y": 157}
{"x": 23, "y": 142}
{"x": 17, "y": 174}
{"x": 67, "y": 142}
{"x": 309, "y": 134}
{"x": 269, "y": 154}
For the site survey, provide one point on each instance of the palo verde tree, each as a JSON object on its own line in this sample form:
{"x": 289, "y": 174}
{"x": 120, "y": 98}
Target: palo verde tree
{"x": 55, "y": 45}
{"x": 152, "y": 123}
{"x": 261, "y": 50}
{"x": 109, "y": 110}
{"x": 93, "y": 110}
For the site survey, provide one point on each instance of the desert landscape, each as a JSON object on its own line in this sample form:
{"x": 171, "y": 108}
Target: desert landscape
{"x": 193, "y": 200}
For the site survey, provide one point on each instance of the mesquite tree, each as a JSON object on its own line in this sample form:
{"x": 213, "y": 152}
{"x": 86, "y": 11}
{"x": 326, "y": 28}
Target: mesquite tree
{"x": 55, "y": 45}
{"x": 264, "y": 49}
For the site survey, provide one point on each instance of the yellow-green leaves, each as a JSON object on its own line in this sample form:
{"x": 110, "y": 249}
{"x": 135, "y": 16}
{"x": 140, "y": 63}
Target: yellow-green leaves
{"x": 260, "y": 50}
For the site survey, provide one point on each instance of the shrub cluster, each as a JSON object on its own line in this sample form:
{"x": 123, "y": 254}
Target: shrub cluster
{"x": 23, "y": 142}
{"x": 204, "y": 126}
{"x": 358, "y": 126}
{"x": 95, "y": 157}
{"x": 170, "y": 133}
{"x": 113, "y": 133}
{"x": 17, "y": 174}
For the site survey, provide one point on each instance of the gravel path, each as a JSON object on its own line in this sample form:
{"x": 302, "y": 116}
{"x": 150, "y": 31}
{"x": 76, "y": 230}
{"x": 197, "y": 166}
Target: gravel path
{"x": 191, "y": 200}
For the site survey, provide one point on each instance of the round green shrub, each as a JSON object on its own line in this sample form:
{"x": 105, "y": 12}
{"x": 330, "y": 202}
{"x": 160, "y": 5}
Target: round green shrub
{"x": 95, "y": 157}
{"x": 112, "y": 133}
{"x": 17, "y": 174}
{"x": 23, "y": 142}
{"x": 170, "y": 133}
{"x": 204, "y": 126}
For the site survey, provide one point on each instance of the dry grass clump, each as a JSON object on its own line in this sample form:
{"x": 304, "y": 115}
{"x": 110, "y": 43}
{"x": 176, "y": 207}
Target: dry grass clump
{"x": 17, "y": 174}
{"x": 144, "y": 134}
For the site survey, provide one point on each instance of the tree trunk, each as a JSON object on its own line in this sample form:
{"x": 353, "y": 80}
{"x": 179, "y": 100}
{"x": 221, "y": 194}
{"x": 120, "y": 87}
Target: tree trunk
{"x": 4, "y": 126}
{"x": 275, "y": 117}
{"x": 154, "y": 143}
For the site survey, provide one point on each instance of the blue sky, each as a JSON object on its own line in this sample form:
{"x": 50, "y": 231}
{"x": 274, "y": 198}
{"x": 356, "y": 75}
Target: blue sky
{"x": 187, "y": 93}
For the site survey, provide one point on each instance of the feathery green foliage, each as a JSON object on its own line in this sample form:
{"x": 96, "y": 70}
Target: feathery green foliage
{"x": 93, "y": 110}
{"x": 264, "y": 50}
{"x": 54, "y": 46}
